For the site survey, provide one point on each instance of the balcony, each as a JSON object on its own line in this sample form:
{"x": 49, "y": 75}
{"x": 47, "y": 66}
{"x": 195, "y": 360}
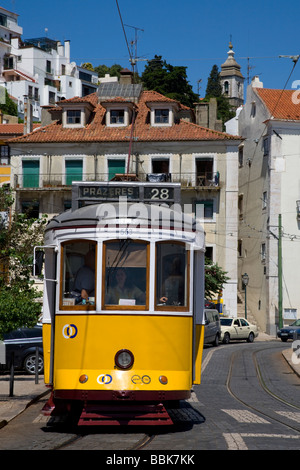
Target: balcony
{"x": 209, "y": 181}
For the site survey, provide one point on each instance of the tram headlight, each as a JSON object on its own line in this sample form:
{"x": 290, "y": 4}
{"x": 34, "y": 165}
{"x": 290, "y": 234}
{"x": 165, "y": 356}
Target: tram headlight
{"x": 124, "y": 359}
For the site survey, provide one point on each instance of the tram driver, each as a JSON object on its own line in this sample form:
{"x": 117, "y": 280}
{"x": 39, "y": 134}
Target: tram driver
{"x": 123, "y": 289}
{"x": 84, "y": 283}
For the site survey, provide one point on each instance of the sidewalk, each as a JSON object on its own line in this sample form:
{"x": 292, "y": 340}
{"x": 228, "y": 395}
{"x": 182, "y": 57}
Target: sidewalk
{"x": 26, "y": 391}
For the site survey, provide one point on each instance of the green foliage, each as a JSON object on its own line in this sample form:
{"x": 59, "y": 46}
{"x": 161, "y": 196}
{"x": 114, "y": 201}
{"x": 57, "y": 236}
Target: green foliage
{"x": 18, "y": 236}
{"x": 214, "y": 90}
{"x": 114, "y": 70}
{"x": 170, "y": 81}
{"x": 215, "y": 278}
{"x": 18, "y": 308}
{"x": 9, "y": 106}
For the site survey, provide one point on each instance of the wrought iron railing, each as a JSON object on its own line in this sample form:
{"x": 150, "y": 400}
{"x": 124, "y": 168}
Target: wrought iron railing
{"x": 56, "y": 180}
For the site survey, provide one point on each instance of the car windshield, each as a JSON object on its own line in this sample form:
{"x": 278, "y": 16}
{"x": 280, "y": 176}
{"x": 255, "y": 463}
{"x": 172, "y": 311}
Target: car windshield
{"x": 226, "y": 321}
{"x": 296, "y": 323}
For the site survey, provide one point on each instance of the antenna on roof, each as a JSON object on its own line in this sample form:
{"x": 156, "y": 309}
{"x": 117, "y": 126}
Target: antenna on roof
{"x": 294, "y": 58}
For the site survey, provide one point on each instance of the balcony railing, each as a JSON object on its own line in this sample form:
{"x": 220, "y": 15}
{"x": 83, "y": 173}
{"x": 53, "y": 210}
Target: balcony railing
{"x": 58, "y": 180}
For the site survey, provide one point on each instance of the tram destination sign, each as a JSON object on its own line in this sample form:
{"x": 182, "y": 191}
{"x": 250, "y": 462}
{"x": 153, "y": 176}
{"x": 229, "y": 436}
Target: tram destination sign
{"x": 94, "y": 193}
{"x": 105, "y": 193}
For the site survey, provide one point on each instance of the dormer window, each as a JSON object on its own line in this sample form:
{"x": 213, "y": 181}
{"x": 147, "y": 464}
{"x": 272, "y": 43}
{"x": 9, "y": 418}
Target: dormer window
{"x": 117, "y": 116}
{"x": 73, "y": 116}
{"x": 161, "y": 116}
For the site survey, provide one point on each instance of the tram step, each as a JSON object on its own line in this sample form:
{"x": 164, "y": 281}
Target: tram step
{"x": 129, "y": 415}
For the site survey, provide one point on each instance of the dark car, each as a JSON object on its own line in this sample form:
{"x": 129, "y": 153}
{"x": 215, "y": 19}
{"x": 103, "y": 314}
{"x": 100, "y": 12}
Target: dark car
{"x": 289, "y": 332}
{"x": 21, "y": 345}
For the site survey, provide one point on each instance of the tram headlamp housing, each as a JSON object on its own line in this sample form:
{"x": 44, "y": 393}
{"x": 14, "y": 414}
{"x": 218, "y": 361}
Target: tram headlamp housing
{"x": 124, "y": 359}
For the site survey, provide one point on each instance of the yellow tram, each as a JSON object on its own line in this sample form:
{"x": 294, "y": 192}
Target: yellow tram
{"x": 123, "y": 323}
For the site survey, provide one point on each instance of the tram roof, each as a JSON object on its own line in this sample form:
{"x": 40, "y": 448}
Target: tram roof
{"x": 155, "y": 217}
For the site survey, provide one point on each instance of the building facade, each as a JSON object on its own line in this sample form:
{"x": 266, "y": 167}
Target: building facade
{"x": 269, "y": 194}
{"x": 120, "y": 130}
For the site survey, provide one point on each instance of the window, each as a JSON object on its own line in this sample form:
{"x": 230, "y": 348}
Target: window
{"x": 31, "y": 171}
{"x": 264, "y": 200}
{"x": 240, "y": 206}
{"x": 241, "y": 156}
{"x": 161, "y": 116}
{"x": 31, "y": 209}
{"x": 172, "y": 276}
{"x": 266, "y": 146}
{"x": 73, "y": 171}
{"x": 115, "y": 166}
{"x": 263, "y": 252}
{"x": 205, "y": 209}
{"x": 160, "y": 166}
{"x": 78, "y": 275}
{"x": 4, "y": 155}
{"x": 117, "y": 116}
{"x": 226, "y": 88}
{"x": 125, "y": 276}
{"x": 74, "y": 116}
{"x": 204, "y": 171}
{"x": 48, "y": 66}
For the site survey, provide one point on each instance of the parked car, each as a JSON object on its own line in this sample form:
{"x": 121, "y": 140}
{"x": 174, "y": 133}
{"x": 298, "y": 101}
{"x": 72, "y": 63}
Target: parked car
{"x": 21, "y": 345}
{"x": 237, "y": 328}
{"x": 212, "y": 327}
{"x": 288, "y": 332}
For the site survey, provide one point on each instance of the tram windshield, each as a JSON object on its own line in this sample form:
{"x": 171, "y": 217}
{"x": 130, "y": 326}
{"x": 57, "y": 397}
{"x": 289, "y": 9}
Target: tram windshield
{"x": 78, "y": 279}
{"x": 171, "y": 275}
{"x": 126, "y": 273}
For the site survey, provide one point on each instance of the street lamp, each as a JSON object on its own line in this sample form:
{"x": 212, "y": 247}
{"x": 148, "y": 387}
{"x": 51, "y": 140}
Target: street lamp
{"x": 245, "y": 280}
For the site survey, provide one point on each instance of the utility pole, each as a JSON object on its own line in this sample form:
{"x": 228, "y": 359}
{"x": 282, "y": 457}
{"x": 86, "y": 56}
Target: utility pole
{"x": 279, "y": 267}
{"x": 280, "y": 271}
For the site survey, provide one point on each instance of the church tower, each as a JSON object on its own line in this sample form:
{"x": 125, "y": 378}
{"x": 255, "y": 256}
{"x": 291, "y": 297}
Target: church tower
{"x": 232, "y": 80}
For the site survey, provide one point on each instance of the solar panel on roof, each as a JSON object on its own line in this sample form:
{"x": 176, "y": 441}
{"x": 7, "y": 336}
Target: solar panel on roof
{"x": 113, "y": 89}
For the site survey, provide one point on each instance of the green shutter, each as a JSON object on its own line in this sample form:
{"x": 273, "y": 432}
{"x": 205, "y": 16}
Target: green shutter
{"x": 114, "y": 167}
{"x": 31, "y": 173}
{"x": 73, "y": 171}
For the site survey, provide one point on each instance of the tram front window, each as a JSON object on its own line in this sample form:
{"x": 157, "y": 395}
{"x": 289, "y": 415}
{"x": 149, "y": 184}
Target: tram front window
{"x": 171, "y": 276}
{"x": 125, "y": 276}
{"x": 78, "y": 278}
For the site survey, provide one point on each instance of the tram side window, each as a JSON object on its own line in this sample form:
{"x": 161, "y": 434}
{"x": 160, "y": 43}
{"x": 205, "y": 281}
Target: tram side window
{"x": 78, "y": 274}
{"x": 125, "y": 276}
{"x": 171, "y": 276}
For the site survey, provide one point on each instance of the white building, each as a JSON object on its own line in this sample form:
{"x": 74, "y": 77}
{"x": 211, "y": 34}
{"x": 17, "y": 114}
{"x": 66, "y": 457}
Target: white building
{"x": 269, "y": 187}
{"x": 39, "y": 68}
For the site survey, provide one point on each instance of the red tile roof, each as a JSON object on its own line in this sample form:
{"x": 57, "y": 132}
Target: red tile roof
{"x": 282, "y": 104}
{"x": 97, "y": 131}
{"x": 8, "y": 130}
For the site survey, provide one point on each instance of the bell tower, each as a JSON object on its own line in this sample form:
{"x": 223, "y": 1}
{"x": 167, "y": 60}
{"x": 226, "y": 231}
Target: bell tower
{"x": 232, "y": 80}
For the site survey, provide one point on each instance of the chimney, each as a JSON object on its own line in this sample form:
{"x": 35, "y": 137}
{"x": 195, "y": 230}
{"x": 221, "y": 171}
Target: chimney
{"x": 67, "y": 51}
{"x": 126, "y": 77}
{"x": 27, "y": 115}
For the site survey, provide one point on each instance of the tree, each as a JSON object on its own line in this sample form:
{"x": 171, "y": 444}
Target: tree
{"x": 7, "y": 105}
{"x": 171, "y": 81}
{"x": 215, "y": 278}
{"x": 113, "y": 71}
{"x": 18, "y": 236}
{"x": 214, "y": 90}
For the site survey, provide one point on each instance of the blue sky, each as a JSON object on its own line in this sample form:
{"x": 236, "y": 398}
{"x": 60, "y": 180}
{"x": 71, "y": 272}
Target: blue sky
{"x": 192, "y": 33}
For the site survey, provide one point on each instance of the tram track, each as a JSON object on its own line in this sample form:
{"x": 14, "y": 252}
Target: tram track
{"x": 264, "y": 387}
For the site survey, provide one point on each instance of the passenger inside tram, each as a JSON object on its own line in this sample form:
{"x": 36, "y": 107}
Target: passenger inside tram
{"x": 124, "y": 292}
{"x": 173, "y": 287}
